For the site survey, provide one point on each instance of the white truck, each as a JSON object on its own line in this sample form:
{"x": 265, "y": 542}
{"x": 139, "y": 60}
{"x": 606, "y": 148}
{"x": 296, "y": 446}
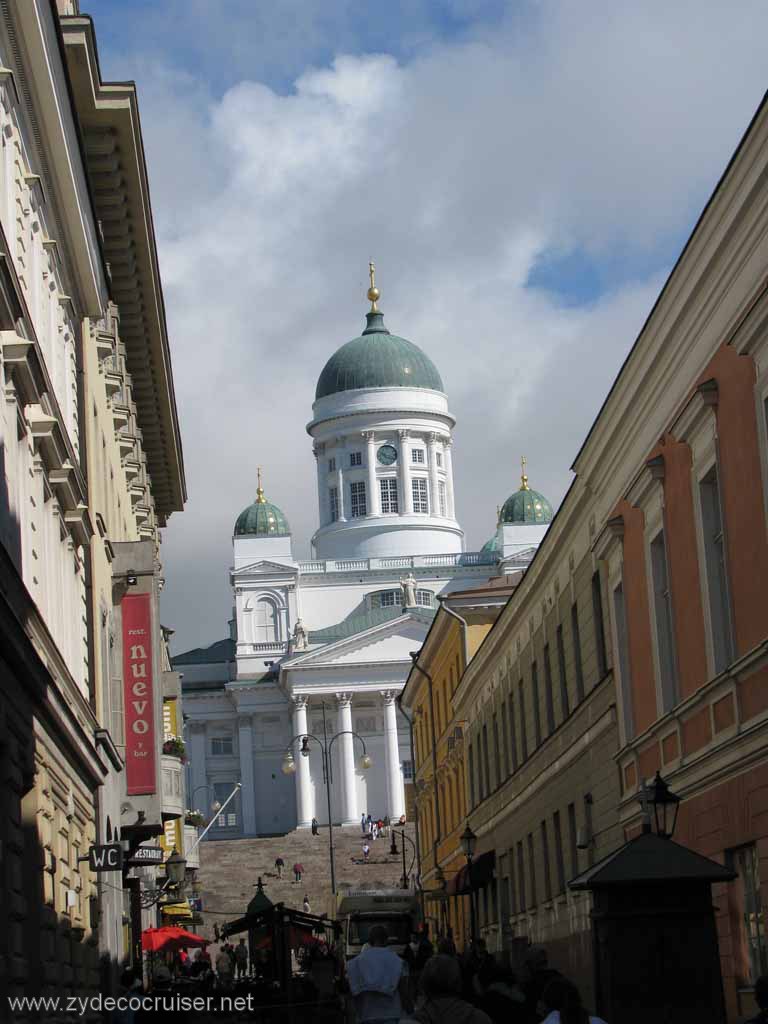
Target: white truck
{"x": 357, "y": 910}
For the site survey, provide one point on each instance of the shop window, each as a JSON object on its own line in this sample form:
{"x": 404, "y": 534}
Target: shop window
{"x": 747, "y": 918}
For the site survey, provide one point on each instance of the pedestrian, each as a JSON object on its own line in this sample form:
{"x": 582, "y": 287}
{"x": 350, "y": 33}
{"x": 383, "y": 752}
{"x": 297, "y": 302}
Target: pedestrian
{"x": 374, "y": 831}
{"x": 298, "y": 870}
{"x": 378, "y": 981}
{"x": 761, "y": 998}
{"x": 306, "y": 904}
{"x": 366, "y": 851}
{"x": 241, "y": 959}
{"x": 499, "y": 994}
{"x": 441, "y": 988}
{"x": 368, "y": 823}
{"x": 224, "y": 966}
{"x": 562, "y": 1002}
{"x": 424, "y": 949}
{"x": 362, "y": 823}
{"x": 279, "y": 865}
{"x": 537, "y": 974}
{"x": 314, "y": 826}
{"x": 216, "y": 934}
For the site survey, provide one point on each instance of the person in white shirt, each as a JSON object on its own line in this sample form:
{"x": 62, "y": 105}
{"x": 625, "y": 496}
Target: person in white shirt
{"x": 563, "y": 1005}
{"x": 377, "y": 981}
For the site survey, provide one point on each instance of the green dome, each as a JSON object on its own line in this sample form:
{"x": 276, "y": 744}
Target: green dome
{"x": 491, "y": 547}
{"x": 262, "y": 519}
{"x": 526, "y": 506}
{"x": 377, "y": 359}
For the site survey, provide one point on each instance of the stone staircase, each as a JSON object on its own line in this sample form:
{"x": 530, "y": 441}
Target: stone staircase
{"x": 229, "y": 869}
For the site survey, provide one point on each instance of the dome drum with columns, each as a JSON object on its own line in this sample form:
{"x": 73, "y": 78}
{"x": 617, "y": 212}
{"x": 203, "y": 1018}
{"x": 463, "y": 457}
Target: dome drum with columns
{"x": 325, "y": 644}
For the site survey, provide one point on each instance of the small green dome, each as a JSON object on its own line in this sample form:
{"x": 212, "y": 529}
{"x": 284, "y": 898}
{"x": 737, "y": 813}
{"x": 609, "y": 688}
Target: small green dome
{"x": 262, "y": 519}
{"x": 526, "y": 506}
{"x": 491, "y": 547}
{"x": 377, "y": 359}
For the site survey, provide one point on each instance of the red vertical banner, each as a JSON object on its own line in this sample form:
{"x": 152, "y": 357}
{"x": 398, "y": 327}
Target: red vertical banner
{"x": 137, "y": 694}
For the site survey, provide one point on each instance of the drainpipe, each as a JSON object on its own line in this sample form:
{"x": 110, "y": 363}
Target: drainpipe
{"x": 463, "y": 622}
{"x": 430, "y": 683}
{"x": 409, "y": 720}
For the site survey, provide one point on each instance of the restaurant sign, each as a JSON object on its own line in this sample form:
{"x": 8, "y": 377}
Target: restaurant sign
{"x": 137, "y": 692}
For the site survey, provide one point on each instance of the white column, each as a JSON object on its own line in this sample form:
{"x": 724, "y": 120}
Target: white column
{"x": 404, "y": 455}
{"x": 395, "y": 794}
{"x": 374, "y": 498}
{"x": 434, "y": 497}
{"x": 340, "y": 487}
{"x": 248, "y": 792}
{"x": 305, "y": 802}
{"x": 449, "y": 478}
{"x": 322, "y": 495}
{"x": 347, "y": 760}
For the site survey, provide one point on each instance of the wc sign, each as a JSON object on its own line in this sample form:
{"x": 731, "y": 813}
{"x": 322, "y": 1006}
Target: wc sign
{"x": 105, "y": 858}
{"x": 138, "y": 695}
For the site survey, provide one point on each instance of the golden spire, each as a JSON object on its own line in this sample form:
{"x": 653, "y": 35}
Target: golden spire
{"x": 523, "y": 478}
{"x": 373, "y": 292}
{"x": 260, "y": 499}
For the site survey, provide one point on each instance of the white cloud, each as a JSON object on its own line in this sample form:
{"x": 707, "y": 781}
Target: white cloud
{"x": 602, "y": 127}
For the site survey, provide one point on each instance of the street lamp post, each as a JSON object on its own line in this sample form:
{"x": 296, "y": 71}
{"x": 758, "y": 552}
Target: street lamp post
{"x": 326, "y": 749}
{"x": 394, "y": 851}
{"x": 468, "y": 844}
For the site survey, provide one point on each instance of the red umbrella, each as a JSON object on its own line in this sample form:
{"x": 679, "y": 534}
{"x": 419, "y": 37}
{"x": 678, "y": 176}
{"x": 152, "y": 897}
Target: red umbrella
{"x": 154, "y": 940}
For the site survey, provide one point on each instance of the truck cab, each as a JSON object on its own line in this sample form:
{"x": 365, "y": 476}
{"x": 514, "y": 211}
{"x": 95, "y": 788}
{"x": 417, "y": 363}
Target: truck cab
{"x": 357, "y": 910}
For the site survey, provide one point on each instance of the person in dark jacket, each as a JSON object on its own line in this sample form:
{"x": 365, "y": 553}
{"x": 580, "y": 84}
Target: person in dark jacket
{"x": 537, "y": 974}
{"x": 761, "y": 998}
{"x": 442, "y": 1003}
{"x": 499, "y": 995}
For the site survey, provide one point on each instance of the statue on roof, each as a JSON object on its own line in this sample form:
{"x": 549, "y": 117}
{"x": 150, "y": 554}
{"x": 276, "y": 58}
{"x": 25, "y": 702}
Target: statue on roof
{"x": 300, "y": 636}
{"x": 408, "y": 585}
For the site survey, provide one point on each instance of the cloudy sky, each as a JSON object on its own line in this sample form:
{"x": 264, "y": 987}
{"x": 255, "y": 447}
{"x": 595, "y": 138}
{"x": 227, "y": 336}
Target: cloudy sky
{"x": 524, "y": 174}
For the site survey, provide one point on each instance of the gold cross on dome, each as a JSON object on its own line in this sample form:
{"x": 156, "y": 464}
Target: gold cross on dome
{"x": 523, "y": 477}
{"x": 260, "y": 499}
{"x": 373, "y": 292}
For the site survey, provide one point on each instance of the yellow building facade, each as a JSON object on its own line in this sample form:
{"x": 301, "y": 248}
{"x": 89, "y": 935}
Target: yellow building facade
{"x": 459, "y": 628}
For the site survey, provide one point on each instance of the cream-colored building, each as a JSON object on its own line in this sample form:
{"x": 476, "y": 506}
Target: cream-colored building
{"x": 91, "y": 468}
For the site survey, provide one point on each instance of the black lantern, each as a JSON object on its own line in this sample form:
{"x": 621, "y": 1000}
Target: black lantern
{"x": 666, "y": 805}
{"x": 175, "y": 868}
{"x": 305, "y": 751}
{"x": 468, "y": 842}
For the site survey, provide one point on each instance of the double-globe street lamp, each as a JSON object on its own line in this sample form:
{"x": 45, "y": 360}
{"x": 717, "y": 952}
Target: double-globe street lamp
{"x": 326, "y": 749}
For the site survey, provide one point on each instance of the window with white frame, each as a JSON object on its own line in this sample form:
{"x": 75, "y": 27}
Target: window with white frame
{"x": 420, "y": 495}
{"x": 229, "y": 817}
{"x": 442, "y": 498}
{"x": 266, "y": 624}
{"x": 331, "y": 465}
{"x": 333, "y": 503}
{"x": 222, "y": 745}
{"x": 407, "y": 771}
{"x": 662, "y": 605}
{"x": 623, "y": 652}
{"x": 717, "y": 578}
{"x": 357, "y": 503}
{"x": 417, "y": 455}
{"x": 424, "y": 598}
{"x": 439, "y": 459}
{"x": 384, "y": 599}
{"x": 388, "y": 489}
{"x": 355, "y": 458}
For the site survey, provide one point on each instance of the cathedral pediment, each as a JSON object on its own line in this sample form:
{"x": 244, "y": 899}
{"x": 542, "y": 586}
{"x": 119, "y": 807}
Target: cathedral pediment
{"x": 390, "y": 641}
{"x": 264, "y": 568}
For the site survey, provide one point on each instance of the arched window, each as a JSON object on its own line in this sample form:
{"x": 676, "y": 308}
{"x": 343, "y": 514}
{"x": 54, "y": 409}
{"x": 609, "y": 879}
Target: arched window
{"x": 266, "y": 626}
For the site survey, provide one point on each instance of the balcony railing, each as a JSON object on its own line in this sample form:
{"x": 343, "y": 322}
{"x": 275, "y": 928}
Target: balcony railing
{"x": 449, "y": 561}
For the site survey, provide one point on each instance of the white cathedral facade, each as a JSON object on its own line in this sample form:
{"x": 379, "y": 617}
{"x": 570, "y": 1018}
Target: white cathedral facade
{"x": 322, "y": 648}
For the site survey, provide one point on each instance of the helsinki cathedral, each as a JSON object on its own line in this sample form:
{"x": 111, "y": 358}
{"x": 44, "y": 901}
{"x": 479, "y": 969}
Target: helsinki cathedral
{"x": 322, "y": 648}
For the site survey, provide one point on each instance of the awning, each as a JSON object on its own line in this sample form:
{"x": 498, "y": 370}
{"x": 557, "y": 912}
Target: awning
{"x": 473, "y": 877}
